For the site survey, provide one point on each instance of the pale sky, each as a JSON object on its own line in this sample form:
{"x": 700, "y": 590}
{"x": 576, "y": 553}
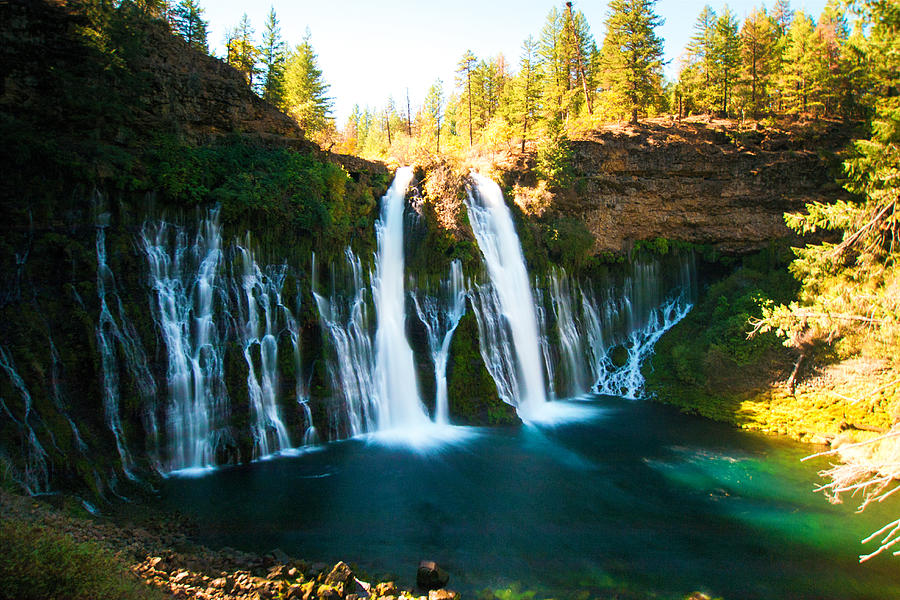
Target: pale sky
{"x": 369, "y": 50}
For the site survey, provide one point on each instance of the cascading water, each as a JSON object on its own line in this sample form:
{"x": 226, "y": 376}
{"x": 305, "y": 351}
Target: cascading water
{"x": 344, "y": 316}
{"x": 112, "y": 336}
{"x": 399, "y": 401}
{"x": 35, "y": 476}
{"x": 259, "y": 304}
{"x": 571, "y": 344}
{"x": 441, "y": 314}
{"x": 184, "y": 279}
{"x": 506, "y": 312}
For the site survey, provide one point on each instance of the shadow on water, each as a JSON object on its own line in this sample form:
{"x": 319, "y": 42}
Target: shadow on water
{"x": 632, "y": 499}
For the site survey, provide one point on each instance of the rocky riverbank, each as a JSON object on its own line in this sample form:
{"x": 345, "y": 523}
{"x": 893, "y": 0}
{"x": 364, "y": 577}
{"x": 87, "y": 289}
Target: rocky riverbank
{"x": 158, "y": 552}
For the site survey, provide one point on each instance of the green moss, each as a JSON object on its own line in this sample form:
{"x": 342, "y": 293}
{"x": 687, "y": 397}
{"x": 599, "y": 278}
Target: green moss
{"x": 38, "y": 563}
{"x": 472, "y": 394}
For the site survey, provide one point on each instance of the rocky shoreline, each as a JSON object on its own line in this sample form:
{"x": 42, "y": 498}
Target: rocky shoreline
{"x": 160, "y": 555}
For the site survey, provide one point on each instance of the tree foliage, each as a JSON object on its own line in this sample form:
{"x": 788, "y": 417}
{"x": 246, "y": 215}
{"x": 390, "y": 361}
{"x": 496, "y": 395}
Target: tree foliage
{"x": 306, "y": 92}
{"x": 187, "y": 21}
{"x": 272, "y": 57}
{"x": 633, "y": 54}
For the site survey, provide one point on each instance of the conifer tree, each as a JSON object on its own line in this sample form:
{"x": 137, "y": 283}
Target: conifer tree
{"x": 464, "y": 79}
{"x": 727, "y": 49}
{"x": 241, "y": 52}
{"x": 799, "y": 70}
{"x": 526, "y": 91}
{"x": 305, "y": 91}
{"x": 551, "y": 55}
{"x": 272, "y": 57}
{"x": 187, "y": 21}
{"x": 434, "y": 110}
{"x": 634, "y": 54}
{"x": 697, "y": 74}
{"x": 757, "y": 53}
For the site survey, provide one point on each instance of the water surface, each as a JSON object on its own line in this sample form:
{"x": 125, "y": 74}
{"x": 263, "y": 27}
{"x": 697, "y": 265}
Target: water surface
{"x": 634, "y": 499}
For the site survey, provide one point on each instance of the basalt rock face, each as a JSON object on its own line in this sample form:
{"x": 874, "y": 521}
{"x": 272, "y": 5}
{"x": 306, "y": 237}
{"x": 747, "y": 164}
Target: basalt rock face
{"x": 128, "y": 77}
{"x": 702, "y": 183}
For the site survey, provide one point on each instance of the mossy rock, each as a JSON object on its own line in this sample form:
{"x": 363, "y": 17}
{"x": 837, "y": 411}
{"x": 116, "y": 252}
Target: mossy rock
{"x": 472, "y": 394}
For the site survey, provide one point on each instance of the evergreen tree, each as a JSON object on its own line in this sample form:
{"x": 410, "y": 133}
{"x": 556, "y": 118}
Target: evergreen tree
{"x": 272, "y": 57}
{"x": 579, "y": 48}
{"x": 782, "y": 15}
{"x": 758, "y": 54}
{"x": 800, "y": 69}
{"x": 831, "y": 34}
{"x": 727, "y": 56}
{"x": 187, "y": 21}
{"x": 464, "y": 79}
{"x": 305, "y": 91}
{"x": 526, "y": 95}
{"x": 434, "y": 110}
{"x": 241, "y": 52}
{"x": 696, "y": 76}
{"x": 551, "y": 56}
{"x": 634, "y": 54}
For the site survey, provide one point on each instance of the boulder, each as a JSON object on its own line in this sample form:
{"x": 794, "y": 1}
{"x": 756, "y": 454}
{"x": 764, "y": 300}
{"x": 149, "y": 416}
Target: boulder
{"x": 388, "y": 588}
{"x": 442, "y": 595}
{"x": 339, "y": 575}
{"x": 430, "y": 576}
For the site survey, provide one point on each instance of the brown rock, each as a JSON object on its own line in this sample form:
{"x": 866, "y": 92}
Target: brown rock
{"x": 430, "y": 576}
{"x": 442, "y": 595}
{"x": 387, "y": 588}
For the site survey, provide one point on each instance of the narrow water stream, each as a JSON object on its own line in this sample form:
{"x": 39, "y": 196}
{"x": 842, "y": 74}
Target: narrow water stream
{"x": 632, "y": 498}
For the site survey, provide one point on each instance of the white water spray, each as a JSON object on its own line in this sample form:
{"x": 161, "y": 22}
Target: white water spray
{"x": 400, "y": 404}
{"x": 508, "y": 308}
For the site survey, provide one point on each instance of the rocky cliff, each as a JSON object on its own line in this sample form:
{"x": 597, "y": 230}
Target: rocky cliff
{"x": 711, "y": 183}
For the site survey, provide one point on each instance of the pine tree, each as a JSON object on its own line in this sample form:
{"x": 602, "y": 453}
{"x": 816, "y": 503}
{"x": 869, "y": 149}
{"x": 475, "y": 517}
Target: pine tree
{"x": 551, "y": 55}
{"x": 187, "y": 21}
{"x": 831, "y": 34}
{"x": 434, "y": 110}
{"x": 799, "y": 70}
{"x": 464, "y": 79}
{"x": 696, "y": 76}
{"x": 305, "y": 91}
{"x": 579, "y": 49}
{"x": 634, "y": 54}
{"x": 727, "y": 55}
{"x": 758, "y": 54}
{"x": 272, "y": 57}
{"x": 241, "y": 52}
{"x": 526, "y": 91}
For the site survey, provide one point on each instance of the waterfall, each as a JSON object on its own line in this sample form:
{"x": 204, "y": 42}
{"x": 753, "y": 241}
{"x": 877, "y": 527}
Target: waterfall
{"x": 344, "y": 316}
{"x": 568, "y": 328}
{"x": 35, "y": 476}
{"x": 441, "y": 314}
{"x": 398, "y": 388}
{"x": 184, "y": 282}
{"x": 119, "y": 335}
{"x": 505, "y": 307}
{"x": 260, "y": 310}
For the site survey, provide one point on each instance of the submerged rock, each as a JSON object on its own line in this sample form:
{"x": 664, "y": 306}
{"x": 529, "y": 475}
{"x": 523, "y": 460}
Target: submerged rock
{"x": 430, "y": 576}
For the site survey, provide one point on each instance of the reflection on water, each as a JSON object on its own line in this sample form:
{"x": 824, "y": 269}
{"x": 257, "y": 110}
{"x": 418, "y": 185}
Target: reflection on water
{"x": 631, "y": 499}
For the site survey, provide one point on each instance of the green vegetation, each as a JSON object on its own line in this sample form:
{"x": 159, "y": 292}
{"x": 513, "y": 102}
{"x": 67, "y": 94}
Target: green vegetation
{"x": 471, "y": 393}
{"x": 40, "y": 564}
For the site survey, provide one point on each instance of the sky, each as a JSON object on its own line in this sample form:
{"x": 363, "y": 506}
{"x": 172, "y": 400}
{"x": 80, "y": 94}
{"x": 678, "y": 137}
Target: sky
{"x": 372, "y": 49}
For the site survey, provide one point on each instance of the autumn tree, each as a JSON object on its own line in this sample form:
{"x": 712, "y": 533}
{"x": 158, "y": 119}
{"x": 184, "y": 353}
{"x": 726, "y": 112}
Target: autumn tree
{"x": 633, "y": 54}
